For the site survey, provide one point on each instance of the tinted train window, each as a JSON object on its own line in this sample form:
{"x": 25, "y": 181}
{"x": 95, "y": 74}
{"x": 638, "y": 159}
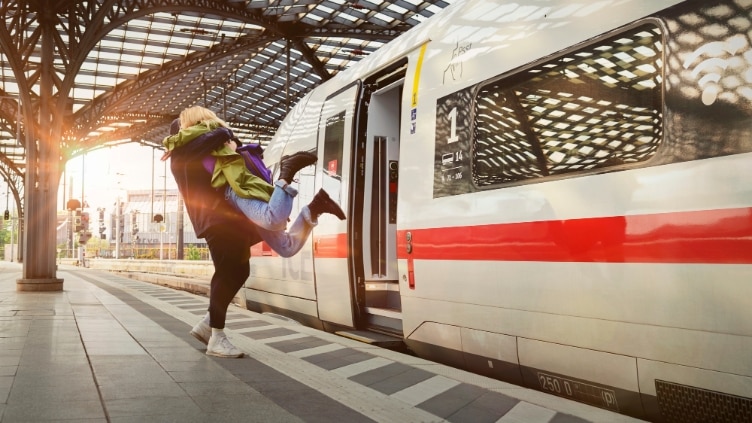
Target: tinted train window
{"x": 593, "y": 108}
{"x": 334, "y": 140}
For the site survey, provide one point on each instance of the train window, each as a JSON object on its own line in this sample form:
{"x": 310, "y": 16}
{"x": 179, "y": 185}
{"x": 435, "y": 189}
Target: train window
{"x": 333, "y": 143}
{"x": 593, "y": 108}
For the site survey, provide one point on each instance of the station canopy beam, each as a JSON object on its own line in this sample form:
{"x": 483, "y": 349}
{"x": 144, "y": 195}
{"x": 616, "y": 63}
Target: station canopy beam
{"x": 78, "y": 76}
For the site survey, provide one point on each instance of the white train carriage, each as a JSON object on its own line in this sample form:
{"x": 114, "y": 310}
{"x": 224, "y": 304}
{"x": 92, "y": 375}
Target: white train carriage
{"x": 553, "y": 193}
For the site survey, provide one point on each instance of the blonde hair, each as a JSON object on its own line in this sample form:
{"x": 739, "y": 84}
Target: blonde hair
{"x": 197, "y": 114}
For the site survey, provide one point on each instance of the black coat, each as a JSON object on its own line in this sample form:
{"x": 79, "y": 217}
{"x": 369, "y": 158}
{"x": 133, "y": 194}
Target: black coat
{"x": 206, "y": 206}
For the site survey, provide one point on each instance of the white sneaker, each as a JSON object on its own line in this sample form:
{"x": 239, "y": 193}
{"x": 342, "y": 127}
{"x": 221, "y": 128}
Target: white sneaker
{"x": 202, "y": 332}
{"x": 220, "y": 346}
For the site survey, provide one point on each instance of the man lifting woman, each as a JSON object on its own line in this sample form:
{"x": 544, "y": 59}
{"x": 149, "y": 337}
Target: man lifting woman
{"x": 233, "y": 209}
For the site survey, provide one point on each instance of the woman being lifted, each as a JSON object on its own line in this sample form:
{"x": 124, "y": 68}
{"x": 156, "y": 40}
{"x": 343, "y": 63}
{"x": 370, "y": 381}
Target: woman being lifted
{"x": 267, "y": 206}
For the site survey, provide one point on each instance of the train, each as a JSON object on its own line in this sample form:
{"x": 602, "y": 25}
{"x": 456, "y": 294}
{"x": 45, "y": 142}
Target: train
{"x": 553, "y": 193}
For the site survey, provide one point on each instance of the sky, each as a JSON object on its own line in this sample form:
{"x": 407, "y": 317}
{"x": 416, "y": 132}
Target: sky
{"x": 107, "y": 172}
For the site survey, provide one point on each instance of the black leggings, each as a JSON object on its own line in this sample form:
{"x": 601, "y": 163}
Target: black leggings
{"x": 230, "y": 250}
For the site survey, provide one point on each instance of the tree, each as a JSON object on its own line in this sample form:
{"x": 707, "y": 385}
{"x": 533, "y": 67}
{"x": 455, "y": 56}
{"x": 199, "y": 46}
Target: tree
{"x": 193, "y": 253}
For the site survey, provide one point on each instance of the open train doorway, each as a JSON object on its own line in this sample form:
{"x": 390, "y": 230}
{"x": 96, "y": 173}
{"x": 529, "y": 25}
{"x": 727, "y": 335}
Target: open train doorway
{"x": 376, "y": 185}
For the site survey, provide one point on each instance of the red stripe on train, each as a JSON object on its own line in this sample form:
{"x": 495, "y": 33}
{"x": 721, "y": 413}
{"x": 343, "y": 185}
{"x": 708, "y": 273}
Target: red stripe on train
{"x": 710, "y": 236}
{"x": 263, "y": 249}
{"x": 721, "y": 236}
{"x": 330, "y": 246}
{"x": 324, "y": 246}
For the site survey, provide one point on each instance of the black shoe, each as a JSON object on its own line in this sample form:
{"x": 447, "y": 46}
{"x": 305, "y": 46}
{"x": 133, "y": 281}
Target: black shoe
{"x": 290, "y": 165}
{"x": 323, "y": 204}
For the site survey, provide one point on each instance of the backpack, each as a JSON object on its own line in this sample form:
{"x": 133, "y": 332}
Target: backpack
{"x": 253, "y": 155}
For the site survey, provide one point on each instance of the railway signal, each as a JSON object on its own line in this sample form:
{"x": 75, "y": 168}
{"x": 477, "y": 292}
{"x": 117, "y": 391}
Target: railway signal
{"x": 77, "y": 221}
{"x": 84, "y": 221}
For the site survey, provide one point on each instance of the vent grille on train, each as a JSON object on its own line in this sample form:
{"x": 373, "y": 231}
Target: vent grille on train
{"x": 687, "y": 404}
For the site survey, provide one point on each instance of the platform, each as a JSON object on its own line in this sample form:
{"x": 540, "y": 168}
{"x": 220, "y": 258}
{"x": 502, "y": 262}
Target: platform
{"x": 112, "y": 349}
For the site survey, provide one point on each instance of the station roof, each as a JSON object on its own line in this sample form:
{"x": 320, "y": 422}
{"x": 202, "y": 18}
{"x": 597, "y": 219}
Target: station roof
{"x": 137, "y": 63}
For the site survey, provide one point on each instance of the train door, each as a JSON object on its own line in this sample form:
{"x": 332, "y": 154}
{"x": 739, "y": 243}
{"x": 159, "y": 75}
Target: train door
{"x": 330, "y": 241}
{"x": 375, "y": 185}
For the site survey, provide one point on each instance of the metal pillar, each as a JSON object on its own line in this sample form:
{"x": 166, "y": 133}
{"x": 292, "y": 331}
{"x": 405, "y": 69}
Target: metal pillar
{"x": 42, "y": 173}
{"x": 179, "y": 228}
{"x": 118, "y": 218}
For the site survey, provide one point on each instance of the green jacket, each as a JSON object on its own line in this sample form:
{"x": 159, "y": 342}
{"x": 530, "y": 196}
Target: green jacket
{"x": 229, "y": 167}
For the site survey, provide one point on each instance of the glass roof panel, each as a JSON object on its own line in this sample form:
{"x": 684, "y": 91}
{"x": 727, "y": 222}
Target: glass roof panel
{"x": 233, "y": 58}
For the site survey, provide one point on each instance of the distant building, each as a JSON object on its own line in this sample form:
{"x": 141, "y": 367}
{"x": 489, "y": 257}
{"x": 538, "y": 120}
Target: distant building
{"x": 138, "y": 224}
{"x": 147, "y": 220}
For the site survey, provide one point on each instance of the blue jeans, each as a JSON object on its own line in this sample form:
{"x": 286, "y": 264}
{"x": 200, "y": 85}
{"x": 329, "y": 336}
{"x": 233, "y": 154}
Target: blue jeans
{"x": 271, "y": 219}
{"x": 287, "y": 244}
